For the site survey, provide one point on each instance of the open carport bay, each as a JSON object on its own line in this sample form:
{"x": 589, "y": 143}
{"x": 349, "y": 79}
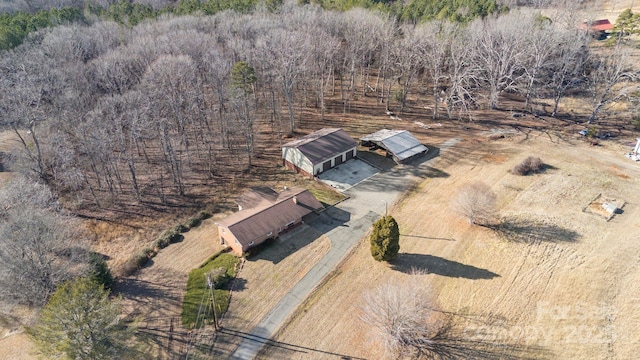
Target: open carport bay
{"x": 348, "y": 174}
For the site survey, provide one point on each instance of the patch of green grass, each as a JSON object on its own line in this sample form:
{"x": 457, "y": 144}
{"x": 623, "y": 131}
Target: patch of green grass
{"x": 197, "y": 290}
{"x": 326, "y": 195}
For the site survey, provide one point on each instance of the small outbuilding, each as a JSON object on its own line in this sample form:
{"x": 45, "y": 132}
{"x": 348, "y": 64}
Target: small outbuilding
{"x": 265, "y": 213}
{"x": 318, "y": 152}
{"x": 599, "y": 29}
{"x": 400, "y": 145}
{"x": 635, "y": 154}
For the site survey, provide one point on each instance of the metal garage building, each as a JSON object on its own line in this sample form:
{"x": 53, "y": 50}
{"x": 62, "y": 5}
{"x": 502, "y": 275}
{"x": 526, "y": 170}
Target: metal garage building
{"x": 319, "y": 151}
{"x": 399, "y": 144}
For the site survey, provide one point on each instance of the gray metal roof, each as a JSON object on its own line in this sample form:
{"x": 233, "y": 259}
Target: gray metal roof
{"x": 401, "y": 143}
{"x": 323, "y": 144}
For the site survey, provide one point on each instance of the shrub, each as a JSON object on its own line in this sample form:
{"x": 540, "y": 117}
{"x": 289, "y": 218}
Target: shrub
{"x": 219, "y": 277}
{"x": 180, "y": 228}
{"x": 160, "y": 243}
{"x": 100, "y": 272}
{"x": 204, "y": 214}
{"x": 138, "y": 260}
{"x": 142, "y": 257}
{"x": 385, "y": 239}
{"x": 192, "y": 222}
{"x": 528, "y": 166}
{"x": 477, "y": 202}
{"x": 168, "y": 237}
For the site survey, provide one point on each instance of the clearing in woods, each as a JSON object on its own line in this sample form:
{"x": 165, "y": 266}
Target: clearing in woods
{"x": 557, "y": 282}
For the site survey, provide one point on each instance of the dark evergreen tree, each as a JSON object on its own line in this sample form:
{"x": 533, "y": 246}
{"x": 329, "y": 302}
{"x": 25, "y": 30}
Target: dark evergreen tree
{"x": 385, "y": 239}
{"x": 80, "y": 321}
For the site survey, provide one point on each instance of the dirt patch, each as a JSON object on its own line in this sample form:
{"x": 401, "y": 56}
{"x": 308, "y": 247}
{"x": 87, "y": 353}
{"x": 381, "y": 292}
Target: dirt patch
{"x": 17, "y": 346}
{"x": 495, "y": 158}
{"x": 605, "y": 206}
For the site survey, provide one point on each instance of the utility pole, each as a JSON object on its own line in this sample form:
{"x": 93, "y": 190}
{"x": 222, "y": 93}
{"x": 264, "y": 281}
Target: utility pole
{"x": 213, "y": 302}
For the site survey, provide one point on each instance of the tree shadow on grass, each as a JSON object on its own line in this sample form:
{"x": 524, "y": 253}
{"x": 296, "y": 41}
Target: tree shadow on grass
{"x": 477, "y": 342}
{"x": 281, "y": 350}
{"x": 237, "y": 284}
{"x": 440, "y": 266}
{"x": 534, "y": 231}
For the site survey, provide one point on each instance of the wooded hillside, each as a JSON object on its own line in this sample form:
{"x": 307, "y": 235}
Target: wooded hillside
{"x": 153, "y": 114}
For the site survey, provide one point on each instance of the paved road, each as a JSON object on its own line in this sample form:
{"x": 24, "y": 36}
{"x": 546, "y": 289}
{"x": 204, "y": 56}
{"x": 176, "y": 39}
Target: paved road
{"x": 344, "y": 225}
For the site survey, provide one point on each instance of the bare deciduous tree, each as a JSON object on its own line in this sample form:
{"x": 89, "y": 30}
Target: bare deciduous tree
{"x": 498, "y": 52}
{"x": 39, "y": 248}
{"x": 403, "y": 317}
{"x": 434, "y": 39}
{"x": 462, "y": 75}
{"x": 567, "y": 67}
{"x": 477, "y": 203}
{"x": 607, "y": 73}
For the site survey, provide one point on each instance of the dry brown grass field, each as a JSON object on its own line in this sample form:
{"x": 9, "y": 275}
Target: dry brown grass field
{"x": 557, "y": 284}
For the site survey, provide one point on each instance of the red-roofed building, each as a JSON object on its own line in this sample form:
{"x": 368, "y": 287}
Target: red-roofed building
{"x": 597, "y": 28}
{"x": 264, "y": 214}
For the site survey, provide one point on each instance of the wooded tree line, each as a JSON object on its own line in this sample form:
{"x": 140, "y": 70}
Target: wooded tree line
{"x": 106, "y": 112}
{"x": 18, "y": 19}
{"x": 14, "y": 28}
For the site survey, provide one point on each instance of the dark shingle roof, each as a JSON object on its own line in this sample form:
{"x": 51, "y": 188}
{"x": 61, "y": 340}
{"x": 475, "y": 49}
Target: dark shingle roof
{"x": 253, "y": 224}
{"x": 257, "y": 196}
{"x": 323, "y": 144}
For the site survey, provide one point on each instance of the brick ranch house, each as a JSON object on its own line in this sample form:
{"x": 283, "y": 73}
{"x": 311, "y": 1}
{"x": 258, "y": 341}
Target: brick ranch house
{"x": 318, "y": 152}
{"x": 265, "y": 213}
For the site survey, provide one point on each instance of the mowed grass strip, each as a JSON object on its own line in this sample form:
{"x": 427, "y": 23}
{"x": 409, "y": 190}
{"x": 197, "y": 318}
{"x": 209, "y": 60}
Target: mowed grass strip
{"x": 197, "y": 290}
{"x": 326, "y": 195}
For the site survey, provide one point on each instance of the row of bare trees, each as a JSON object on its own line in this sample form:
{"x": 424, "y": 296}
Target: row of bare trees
{"x": 40, "y": 246}
{"x": 105, "y": 111}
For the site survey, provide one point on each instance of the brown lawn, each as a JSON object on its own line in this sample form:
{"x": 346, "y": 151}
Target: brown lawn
{"x": 558, "y": 284}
